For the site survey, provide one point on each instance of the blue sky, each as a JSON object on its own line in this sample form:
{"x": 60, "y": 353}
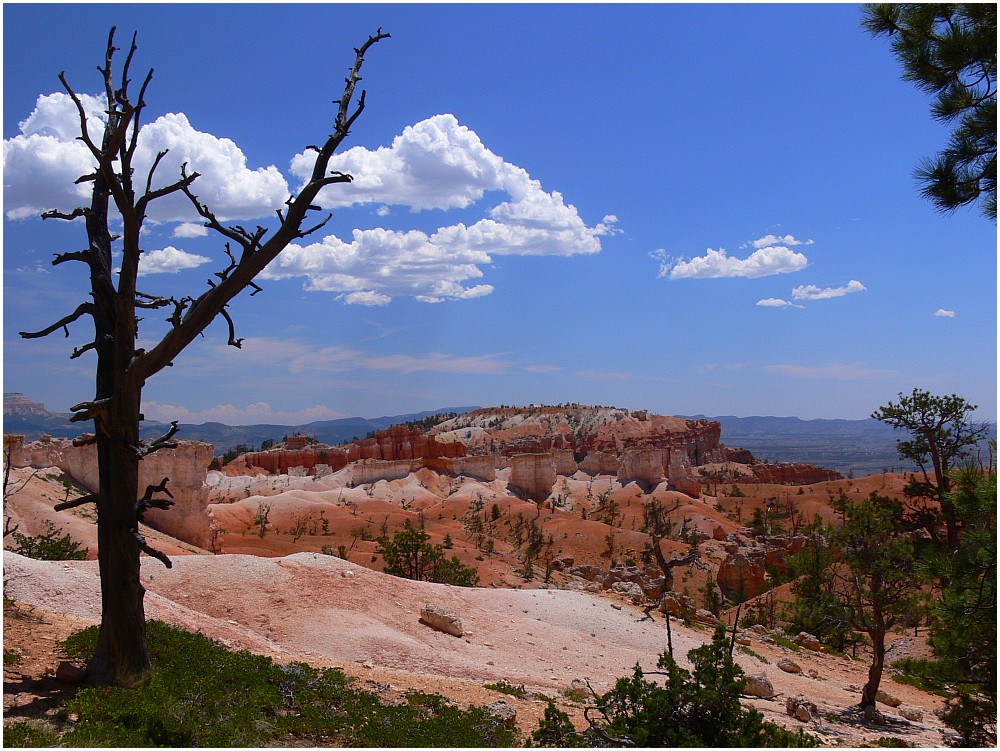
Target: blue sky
{"x": 685, "y": 208}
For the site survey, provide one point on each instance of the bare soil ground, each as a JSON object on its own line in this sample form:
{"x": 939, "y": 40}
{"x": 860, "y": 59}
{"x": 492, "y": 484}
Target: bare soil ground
{"x": 331, "y": 612}
{"x": 326, "y": 611}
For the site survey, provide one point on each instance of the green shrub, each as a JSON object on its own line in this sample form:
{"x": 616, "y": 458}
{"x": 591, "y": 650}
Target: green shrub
{"x": 202, "y": 694}
{"x": 28, "y": 735}
{"x": 505, "y": 687}
{"x": 699, "y": 708}
{"x": 50, "y": 546}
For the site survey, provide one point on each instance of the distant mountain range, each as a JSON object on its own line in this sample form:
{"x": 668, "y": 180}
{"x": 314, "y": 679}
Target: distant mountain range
{"x": 858, "y": 447}
{"x": 32, "y": 420}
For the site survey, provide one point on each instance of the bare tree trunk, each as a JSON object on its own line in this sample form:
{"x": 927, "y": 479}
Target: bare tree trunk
{"x": 121, "y": 657}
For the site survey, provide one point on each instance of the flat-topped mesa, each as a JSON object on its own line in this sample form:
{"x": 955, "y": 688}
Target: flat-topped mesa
{"x": 396, "y": 443}
{"x": 792, "y": 474}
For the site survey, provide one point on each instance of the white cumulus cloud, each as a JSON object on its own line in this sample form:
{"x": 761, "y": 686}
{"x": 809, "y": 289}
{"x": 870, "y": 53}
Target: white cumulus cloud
{"x": 942, "y": 313}
{"x": 776, "y": 302}
{"x": 43, "y": 162}
{"x": 717, "y": 264}
{"x": 168, "y": 260}
{"x": 812, "y": 292}
{"x": 379, "y": 264}
{"x": 190, "y": 229}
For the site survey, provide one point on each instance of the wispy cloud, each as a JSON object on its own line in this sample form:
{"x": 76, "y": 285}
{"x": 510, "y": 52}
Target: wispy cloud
{"x": 768, "y": 241}
{"x": 544, "y": 369}
{"x": 812, "y": 292}
{"x": 258, "y": 412}
{"x": 830, "y": 371}
{"x": 341, "y": 359}
{"x": 942, "y": 313}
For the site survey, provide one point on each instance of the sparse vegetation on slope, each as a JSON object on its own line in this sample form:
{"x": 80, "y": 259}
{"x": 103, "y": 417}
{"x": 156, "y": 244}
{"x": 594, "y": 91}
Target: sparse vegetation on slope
{"x": 203, "y": 695}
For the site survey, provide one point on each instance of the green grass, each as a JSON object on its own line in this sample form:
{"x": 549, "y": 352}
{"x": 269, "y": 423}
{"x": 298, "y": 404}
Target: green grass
{"x": 787, "y": 643}
{"x": 202, "y": 694}
{"x": 750, "y": 653}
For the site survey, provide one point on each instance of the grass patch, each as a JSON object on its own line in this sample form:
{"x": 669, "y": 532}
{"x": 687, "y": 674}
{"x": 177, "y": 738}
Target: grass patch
{"x": 12, "y": 658}
{"x": 577, "y": 695}
{"x": 750, "y": 653}
{"x": 505, "y": 687}
{"x": 786, "y": 642}
{"x": 203, "y": 695}
{"x": 28, "y": 735}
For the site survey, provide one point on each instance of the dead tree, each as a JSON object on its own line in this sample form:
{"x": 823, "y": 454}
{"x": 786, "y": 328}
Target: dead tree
{"x": 122, "y": 369}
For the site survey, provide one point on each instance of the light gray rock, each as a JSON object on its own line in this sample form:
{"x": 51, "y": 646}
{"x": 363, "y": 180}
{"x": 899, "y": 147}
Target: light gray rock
{"x": 789, "y": 665}
{"x": 502, "y": 712}
{"x": 801, "y": 708}
{"x": 441, "y": 620}
{"x": 914, "y": 715}
{"x": 884, "y": 697}
{"x": 759, "y": 685}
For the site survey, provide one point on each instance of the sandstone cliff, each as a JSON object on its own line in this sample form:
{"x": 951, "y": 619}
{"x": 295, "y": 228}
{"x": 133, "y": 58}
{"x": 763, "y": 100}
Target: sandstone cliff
{"x": 186, "y": 466}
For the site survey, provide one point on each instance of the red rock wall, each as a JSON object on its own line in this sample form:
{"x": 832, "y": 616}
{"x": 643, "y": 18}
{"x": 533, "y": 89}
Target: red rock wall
{"x": 279, "y": 461}
{"x": 397, "y": 443}
{"x": 701, "y": 440}
{"x": 793, "y": 474}
{"x": 401, "y": 442}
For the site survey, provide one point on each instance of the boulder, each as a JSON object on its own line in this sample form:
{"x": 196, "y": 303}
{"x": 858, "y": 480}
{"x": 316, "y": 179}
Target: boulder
{"x": 502, "y": 712}
{"x": 759, "y": 685}
{"x": 800, "y": 708}
{"x": 440, "y": 619}
{"x": 706, "y": 616}
{"x": 677, "y": 604}
{"x": 884, "y": 697}
{"x": 789, "y": 665}
{"x": 808, "y": 641}
{"x": 628, "y": 589}
{"x": 914, "y": 715}
{"x": 69, "y": 673}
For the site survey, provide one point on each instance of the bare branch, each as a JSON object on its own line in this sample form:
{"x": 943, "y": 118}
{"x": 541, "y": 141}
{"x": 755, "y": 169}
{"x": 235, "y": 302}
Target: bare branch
{"x": 163, "y": 442}
{"x": 77, "y": 351}
{"x": 145, "y": 548}
{"x": 233, "y": 341}
{"x": 75, "y": 214}
{"x": 63, "y": 323}
{"x": 305, "y": 232}
{"x": 90, "y": 410}
{"x": 77, "y": 255}
{"x": 84, "y": 440}
{"x": 150, "y": 302}
{"x": 81, "y": 501}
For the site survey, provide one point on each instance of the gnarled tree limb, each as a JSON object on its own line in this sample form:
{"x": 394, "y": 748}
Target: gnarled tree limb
{"x": 63, "y": 323}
